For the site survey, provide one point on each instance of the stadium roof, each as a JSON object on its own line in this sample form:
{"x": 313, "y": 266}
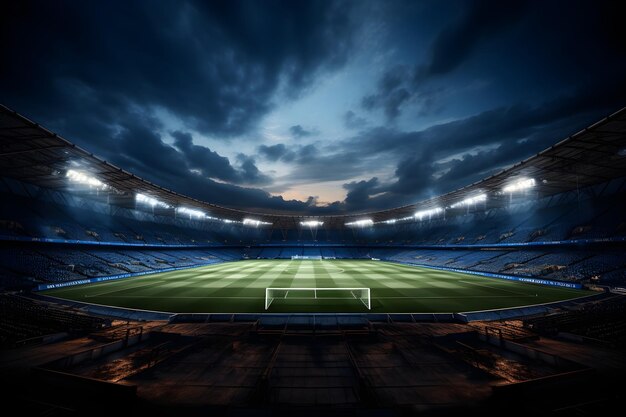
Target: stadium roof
{"x": 33, "y": 154}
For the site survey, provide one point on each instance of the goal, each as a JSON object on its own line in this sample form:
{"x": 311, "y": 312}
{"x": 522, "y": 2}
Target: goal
{"x": 307, "y": 257}
{"x": 361, "y": 294}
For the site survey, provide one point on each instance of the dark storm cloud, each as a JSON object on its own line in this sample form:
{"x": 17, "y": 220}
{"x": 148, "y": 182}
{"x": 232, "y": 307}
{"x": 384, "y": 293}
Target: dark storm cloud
{"x": 208, "y": 162}
{"x": 80, "y": 68}
{"x": 481, "y": 164}
{"x": 329, "y": 167}
{"x": 298, "y": 132}
{"x": 497, "y": 125}
{"x": 250, "y": 174}
{"x": 137, "y": 147}
{"x": 413, "y": 175}
{"x": 120, "y": 78}
{"x": 214, "y": 64}
{"x": 485, "y": 143}
{"x": 278, "y": 152}
{"x": 359, "y": 192}
{"x": 144, "y": 153}
{"x": 308, "y": 152}
{"x": 508, "y": 134}
{"x": 352, "y": 121}
{"x": 313, "y": 163}
{"x": 515, "y": 45}
{"x": 213, "y": 165}
{"x": 330, "y": 163}
{"x": 481, "y": 20}
{"x": 392, "y": 92}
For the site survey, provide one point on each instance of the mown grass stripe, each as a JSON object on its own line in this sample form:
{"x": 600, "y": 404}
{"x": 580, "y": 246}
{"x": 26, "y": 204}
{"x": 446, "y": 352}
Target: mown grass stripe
{"x": 240, "y": 287}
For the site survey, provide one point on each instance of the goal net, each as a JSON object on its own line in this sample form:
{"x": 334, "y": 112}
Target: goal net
{"x": 360, "y": 294}
{"x": 305, "y": 257}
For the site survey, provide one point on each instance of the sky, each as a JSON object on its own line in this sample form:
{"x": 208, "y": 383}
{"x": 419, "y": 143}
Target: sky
{"x": 316, "y": 107}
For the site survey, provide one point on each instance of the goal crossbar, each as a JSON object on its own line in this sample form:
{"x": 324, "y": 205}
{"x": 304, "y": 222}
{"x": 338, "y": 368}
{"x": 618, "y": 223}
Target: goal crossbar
{"x": 361, "y": 294}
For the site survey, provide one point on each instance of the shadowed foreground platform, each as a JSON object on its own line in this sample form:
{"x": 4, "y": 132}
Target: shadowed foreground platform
{"x": 357, "y": 369}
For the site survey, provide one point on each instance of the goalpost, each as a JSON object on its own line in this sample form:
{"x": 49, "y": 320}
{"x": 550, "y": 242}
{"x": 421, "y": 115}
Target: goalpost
{"x": 361, "y": 294}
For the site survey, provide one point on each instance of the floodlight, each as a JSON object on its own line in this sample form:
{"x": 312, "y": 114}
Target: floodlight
{"x": 394, "y": 221}
{"x": 361, "y": 223}
{"x": 470, "y": 201}
{"x": 145, "y": 199}
{"x": 255, "y": 223}
{"x": 82, "y": 178}
{"x": 519, "y": 185}
{"x": 191, "y": 212}
{"x": 427, "y": 213}
{"x": 311, "y": 223}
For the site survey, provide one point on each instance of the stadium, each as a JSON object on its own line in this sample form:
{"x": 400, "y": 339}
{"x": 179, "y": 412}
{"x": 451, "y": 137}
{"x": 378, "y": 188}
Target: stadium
{"x": 278, "y": 208}
{"x": 536, "y": 249}
{"x": 433, "y": 258}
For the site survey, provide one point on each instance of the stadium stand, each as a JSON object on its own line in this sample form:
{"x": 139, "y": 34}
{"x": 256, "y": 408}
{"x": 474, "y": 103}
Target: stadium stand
{"x": 26, "y": 265}
{"x": 600, "y": 321}
{"x": 23, "y": 321}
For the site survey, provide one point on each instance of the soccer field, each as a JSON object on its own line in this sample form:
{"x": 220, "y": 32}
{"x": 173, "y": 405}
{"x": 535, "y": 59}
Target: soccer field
{"x": 239, "y": 287}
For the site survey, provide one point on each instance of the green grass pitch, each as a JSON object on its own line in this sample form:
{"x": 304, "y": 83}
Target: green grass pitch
{"x": 239, "y": 287}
